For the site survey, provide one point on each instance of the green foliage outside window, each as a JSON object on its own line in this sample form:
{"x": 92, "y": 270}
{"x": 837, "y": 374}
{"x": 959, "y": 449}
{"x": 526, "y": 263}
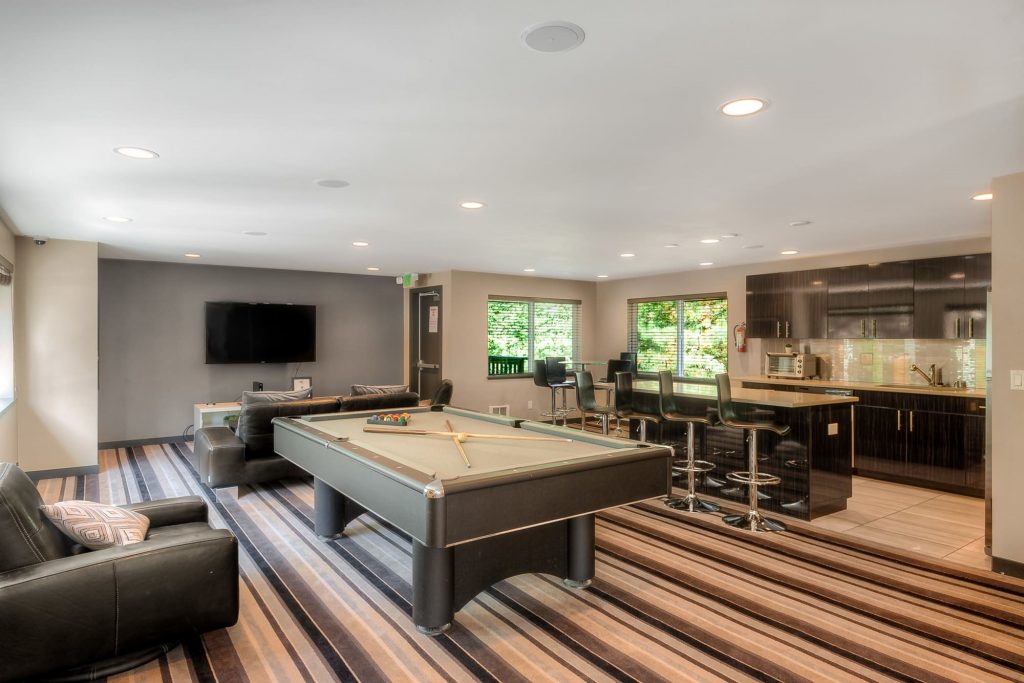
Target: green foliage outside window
{"x": 514, "y": 327}
{"x": 695, "y": 347}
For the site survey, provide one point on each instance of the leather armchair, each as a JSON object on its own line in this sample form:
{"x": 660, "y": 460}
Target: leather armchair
{"x": 67, "y": 609}
{"x": 246, "y": 456}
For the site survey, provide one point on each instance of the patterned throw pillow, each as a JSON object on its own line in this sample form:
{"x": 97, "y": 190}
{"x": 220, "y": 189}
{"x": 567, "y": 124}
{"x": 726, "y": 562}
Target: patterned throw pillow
{"x": 366, "y": 389}
{"x": 95, "y": 525}
{"x": 276, "y": 396}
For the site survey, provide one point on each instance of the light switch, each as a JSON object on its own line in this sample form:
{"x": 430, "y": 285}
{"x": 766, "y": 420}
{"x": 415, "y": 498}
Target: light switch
{"x": 1017, "y": 380}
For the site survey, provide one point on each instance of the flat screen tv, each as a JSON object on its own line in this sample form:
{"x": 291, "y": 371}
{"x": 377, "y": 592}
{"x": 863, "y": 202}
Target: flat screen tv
{"x": 260, "y": 333}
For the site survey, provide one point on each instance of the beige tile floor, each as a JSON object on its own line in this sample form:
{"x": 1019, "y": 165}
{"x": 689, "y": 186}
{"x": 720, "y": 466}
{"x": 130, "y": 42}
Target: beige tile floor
{"x": 934, "y": 523}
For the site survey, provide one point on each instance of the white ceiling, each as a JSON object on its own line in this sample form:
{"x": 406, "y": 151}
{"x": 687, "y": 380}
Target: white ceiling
{"x": 885, "y": 117}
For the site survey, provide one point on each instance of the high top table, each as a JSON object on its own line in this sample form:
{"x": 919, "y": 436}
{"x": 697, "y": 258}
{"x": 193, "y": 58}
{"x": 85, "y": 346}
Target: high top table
{"x": 814, "y": 461}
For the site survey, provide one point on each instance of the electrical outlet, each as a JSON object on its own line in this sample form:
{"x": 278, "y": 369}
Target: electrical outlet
{"x": 529, "y": 405}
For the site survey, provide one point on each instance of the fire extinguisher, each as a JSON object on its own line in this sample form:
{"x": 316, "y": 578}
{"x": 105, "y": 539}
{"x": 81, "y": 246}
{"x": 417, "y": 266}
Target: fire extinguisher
{"x": 739, "y": 334}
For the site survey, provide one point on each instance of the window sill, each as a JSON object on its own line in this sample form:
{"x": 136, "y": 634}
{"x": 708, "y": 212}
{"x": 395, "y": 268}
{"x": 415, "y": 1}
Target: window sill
{"x": 5, "y": 403}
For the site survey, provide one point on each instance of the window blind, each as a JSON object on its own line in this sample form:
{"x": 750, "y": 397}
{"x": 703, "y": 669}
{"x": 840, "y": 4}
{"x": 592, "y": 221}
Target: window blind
{"x": 6, "y": 272}
{"x": 686, "y": 335}
{"x": 520, "y": 330}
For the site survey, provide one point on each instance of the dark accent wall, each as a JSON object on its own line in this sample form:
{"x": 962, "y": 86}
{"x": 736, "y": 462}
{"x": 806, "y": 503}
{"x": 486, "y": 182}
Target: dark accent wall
{"x": 152, "y": 340}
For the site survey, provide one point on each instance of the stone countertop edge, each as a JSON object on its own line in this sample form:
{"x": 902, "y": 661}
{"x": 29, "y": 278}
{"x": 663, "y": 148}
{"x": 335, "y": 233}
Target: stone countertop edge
{"x": 863, "y": 386}
{"x": 763, "y": 397}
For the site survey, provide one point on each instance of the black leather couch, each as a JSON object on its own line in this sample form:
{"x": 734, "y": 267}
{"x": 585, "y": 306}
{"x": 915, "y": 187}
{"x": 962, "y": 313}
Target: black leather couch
{"x": 246, "y": 456}
{"x": 93, "y": 613}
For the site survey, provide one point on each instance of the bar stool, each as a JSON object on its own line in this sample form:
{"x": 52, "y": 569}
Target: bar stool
{"x": 624, "y": 407}
{"x": 559, "y": 376}
{"x": 586, "y": 402}
{"x": 752, "y": 519}
{"x": 540, "y": 379}
{"x": 692, "y": 467}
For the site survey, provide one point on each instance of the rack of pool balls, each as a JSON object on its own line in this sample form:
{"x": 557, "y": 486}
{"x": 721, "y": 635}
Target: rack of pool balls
{"x": 390, "y": 419}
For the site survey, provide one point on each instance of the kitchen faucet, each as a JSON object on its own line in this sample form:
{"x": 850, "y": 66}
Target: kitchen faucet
{"x": 934, "y": 377}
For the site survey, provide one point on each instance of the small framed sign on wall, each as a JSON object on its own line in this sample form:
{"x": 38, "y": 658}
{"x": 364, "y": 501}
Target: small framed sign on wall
{"x": 301, "y": 383}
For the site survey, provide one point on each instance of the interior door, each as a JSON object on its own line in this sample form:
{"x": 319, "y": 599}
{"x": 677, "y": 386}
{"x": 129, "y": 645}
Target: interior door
{"x": 425, "y": 344}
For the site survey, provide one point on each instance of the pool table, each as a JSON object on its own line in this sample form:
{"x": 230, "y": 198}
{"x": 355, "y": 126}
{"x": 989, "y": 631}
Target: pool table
{"x": 522, "y": 505}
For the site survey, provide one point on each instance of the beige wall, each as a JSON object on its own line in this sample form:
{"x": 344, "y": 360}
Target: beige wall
{"x": 8, "y": 415}
{"x": 56, "y": 351}
{"x": 1007, "y": 407}
{"x": 612, "y": 295}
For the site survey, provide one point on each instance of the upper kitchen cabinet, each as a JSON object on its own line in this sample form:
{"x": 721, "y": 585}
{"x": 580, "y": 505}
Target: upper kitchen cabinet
{"x": 871, "y": 301}
{"x": 787, "y": 305}
{"x": 950, "y": 297}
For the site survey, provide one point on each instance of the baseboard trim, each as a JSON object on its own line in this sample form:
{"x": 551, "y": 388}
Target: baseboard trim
{"x": 141, "y": 442}
{"x": 1008, "y": 567}
{"x": 62, "y": 472}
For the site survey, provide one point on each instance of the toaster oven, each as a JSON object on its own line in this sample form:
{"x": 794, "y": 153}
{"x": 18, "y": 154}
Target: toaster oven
{"x": 791, "y": 365}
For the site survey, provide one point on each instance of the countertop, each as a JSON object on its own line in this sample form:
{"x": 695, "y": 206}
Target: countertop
{"x": 865, "y": 386}
{"x": 764, "y": 397}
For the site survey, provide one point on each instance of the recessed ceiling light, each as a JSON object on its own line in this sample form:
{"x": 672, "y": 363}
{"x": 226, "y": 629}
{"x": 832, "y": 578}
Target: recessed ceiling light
{"x": 529, "y": 270}
{"x": 255, "y": 233}
{"x": 117, "y": 219}
{"x": 729, "y": 235}
{"x": 627, "y": 255}
{"x": 743, "y": 107}
{"x": 753, "y": 246}
{"x": 136, "y": 153}
{"x": 190, "y": 255}
{"x": 553, "y": 36}
{"x": 710, "y": 240}
{"x": 373, "y": 268}
{"x": 706, "y": 263}
{"x": 671, "y": 246}
{"x": 360, "y": 244}
{"x": 982, "y": 197}
{"x": 472, "y": 205}
{"x": 789, "y": 252}
{"x": 800, "y": 224}
{"x": 957, "y": 276}
{"x": 333, "y": 183}
{"x": 602, "y": 276}
{"x": 818, "y": 283}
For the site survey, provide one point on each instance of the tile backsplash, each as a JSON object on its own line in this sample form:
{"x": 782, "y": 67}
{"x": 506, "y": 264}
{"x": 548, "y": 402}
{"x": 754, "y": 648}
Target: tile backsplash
{"x": 885, "y": 361}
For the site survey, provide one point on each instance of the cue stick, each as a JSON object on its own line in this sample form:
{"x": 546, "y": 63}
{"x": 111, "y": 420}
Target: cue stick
{"x": 424, "y": 432}
{"x": 457, "y": 438}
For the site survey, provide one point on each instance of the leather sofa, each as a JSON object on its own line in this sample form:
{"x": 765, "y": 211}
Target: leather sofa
{"x": 246, "y": 456}
{"x": 86, "y": 614}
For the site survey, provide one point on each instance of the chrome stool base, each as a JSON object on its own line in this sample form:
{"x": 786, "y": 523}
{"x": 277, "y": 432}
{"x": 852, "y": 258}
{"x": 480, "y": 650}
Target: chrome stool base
{"x": 691, "y": 503}
{"x": 752, "y": 520}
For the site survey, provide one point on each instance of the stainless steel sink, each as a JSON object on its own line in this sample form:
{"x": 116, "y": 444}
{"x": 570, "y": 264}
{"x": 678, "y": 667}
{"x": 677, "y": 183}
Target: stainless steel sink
{"x": 922, "y": 386}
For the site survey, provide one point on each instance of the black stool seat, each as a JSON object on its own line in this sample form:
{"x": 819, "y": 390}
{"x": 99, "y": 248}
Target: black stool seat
{"x": 625, "y": 408}
{"x": 586, "y": 402}
{"x": 752, "y": 519}
{"x": 691, "y": 467}
{"x": 542, "y": 379}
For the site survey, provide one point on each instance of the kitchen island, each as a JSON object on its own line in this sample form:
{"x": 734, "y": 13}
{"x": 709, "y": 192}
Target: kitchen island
{"x": 814, "y": 460}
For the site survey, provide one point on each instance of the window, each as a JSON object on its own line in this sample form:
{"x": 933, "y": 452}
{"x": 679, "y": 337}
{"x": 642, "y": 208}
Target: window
{"x": 520, "y": 330}
{"x": 687, "y": 335}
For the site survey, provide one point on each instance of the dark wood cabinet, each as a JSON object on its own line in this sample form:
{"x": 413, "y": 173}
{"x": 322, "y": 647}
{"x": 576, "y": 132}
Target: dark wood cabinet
{"x": 873, "y": 301}
{"x": 924, "y": 440}
{"x": 950, "y": 296}
{"x": 942, "y": 298}
{"x": 787, "y": 305}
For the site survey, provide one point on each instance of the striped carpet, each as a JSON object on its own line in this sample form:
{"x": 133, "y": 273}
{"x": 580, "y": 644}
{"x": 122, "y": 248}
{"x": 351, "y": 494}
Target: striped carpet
{"x": 676, "y": 598}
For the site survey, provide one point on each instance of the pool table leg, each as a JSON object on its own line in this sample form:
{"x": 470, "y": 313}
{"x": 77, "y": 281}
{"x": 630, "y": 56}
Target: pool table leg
{"x": 581, "y": 551}
{"x": 433, "y": 588}
{"x": 332, "y": 511}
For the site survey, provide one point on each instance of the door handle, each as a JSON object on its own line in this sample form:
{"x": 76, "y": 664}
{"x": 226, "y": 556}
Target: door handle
{"x": 787, "y": 329}
{"x": 970, "y": 328}
{"x": 863, "y": 328}
{"x": 958, "y": 323}
{"x": 778, "y": 329}
{"x": 911, "y": 420}
{"x": 899, "y": 422}
{"x": 874, "y": 328}
{"x": 426, "y": 366}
